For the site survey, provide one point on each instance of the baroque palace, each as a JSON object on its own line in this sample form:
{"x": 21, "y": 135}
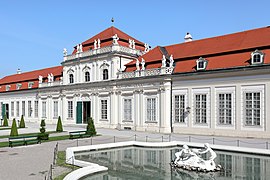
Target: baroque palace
{"x": 214, "y": 86}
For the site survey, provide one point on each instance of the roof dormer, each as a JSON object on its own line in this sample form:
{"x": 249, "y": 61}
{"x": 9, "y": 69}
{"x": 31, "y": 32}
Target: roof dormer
{"x": 201, "y": 64}
{"x": 257, "y": 57}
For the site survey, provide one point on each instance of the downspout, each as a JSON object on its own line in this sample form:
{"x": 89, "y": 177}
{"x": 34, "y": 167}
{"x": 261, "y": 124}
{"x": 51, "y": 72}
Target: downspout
{"x": 171, "y": 109}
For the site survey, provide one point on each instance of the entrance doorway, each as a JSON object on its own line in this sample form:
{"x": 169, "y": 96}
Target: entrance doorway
{"x": 86, "y": 111}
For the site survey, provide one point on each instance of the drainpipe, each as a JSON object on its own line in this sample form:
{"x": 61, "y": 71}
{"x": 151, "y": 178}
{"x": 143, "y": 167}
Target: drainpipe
{"x": 171, "y": 108}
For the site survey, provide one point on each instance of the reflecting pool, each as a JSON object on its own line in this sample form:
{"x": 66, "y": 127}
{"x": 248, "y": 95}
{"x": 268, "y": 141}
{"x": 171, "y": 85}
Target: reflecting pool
{"x": 136, "y": 163}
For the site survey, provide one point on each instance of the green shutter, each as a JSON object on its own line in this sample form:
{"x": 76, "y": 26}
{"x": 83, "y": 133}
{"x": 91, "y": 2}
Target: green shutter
{"x": 79, "y": 113}
{"x": 3, "y": 110}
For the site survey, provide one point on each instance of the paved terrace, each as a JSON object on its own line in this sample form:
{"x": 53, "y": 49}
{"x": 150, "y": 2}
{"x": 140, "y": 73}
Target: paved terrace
{"x": 32, "y": 162}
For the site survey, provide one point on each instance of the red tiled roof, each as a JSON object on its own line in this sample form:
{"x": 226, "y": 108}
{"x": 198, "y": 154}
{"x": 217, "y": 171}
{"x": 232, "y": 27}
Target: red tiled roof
{"x": 26, "y": 77}
{"x": 106, "y": 39}
{"x": 232, "y": 50}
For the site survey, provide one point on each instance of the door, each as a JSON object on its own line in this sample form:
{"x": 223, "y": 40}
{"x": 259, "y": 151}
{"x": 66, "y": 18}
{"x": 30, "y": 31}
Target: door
{"x": 79, "y": 113}
{"x": 86, "y": 111}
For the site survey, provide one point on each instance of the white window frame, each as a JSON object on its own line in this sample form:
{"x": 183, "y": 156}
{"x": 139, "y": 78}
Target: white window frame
{"x": 18, "y": 86}
{"x": 257, "y": 53}
{"x": 253, "y": 89}
{"x": 55, "y": 109}
{"x": 104, "y": 116}
{"x": 104, "y": 66}
{"x": 225, "y": 90}
{"x": 30, "y": 84}
{"x": 7, "y": 87}
{"x": 30, "y": 109}
{"x": 44, "y": 109}
{"x": 17, "y": 108}
{"x": 12, "y": 109}
{"x": 125, "y": 110}
{"x": 201, "y": 91}
{"x": 153, "y": 116}
{"x": 36, "y": 109}
{"x": 70, "y": 109}
{"x": 184, "y": 92}
{"x": 85, "y": 77}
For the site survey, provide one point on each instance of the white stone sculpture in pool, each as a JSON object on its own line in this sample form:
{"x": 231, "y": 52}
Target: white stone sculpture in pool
{"x": 190, "y": 159}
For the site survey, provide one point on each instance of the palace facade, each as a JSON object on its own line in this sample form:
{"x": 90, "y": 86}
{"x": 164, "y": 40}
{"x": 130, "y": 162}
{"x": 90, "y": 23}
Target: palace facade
{"x": 214, "y": 86}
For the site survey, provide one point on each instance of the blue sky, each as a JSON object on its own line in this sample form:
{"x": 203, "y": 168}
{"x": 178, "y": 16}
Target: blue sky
{"x": 33, "y": 33}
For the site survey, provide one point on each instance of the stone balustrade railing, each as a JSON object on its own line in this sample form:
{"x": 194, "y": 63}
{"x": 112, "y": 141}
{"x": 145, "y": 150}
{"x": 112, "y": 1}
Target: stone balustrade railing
{"x": 147, "y": 72}
{"x": 107, "y": 49}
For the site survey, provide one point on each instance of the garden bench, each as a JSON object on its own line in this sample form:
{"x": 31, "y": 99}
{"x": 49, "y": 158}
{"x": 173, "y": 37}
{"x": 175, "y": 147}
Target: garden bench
{"x": 23, "y": 140}
{"x": 78, "y": 134}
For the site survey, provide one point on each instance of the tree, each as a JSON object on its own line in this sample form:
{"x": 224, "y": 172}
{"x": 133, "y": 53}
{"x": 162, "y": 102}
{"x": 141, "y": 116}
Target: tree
{"x": 90, "y": 129}
{"x": 59, "y": 127}
{"x": 14, "y": 129}
{"x": 5, "y": 123}
{"x": 22, "y": 123}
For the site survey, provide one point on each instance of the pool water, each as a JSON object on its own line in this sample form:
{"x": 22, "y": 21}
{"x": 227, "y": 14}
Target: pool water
{"x": 137, "y": 163}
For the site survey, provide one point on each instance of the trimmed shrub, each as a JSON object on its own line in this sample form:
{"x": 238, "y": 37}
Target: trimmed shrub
{"x": 90, "y": 129}
{"x": 14, "y": 129}
{"x": 59, "y": 127}
{"x": 42, "y": 126}
{"x": 22, "y": 123}
{"x": 43, "y": 135}
{"x": 5, "y": 123}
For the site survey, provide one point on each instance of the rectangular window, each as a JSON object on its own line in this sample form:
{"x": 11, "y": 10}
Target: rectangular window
{"x": 44, "y": 109}
{"x": 151, "y": 109}
{"x": 70, "y": 109}
{"x": 104, "y": 109}
{"x": 23, "y": 108}
{"x": 225, "y": 108}
{"x": 179, "y": 108}
{"x": 30, "y": 109}
{"x": 127, "y": 109}
{"x": 36, "y": 109}
{"x": 12, "y": 109}
{"x": 55, "y": 109}
{"x": 200, "y": 108}
{"x": 253, "y": 108}
{"x": 18, "y": 108}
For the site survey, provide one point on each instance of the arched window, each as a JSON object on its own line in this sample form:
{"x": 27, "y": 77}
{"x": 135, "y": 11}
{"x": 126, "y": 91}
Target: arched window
{"x": 71, "y": 78}
{"x": 257, "y": 57}
{"x": 105, "y": 74}
{"x": 87, "y": 76}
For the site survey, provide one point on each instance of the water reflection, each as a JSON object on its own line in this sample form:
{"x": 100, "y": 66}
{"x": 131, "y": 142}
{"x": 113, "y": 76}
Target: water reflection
{"x": 136, "y": 163}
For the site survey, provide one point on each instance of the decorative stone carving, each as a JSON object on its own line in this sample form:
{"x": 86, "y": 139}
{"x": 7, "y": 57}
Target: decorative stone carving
{"x": 171, "y": 61}
{"x": 98, "y": 43}
{"x": 130, "y": 43}
{"x": 190, "y": 159}
{"x": 146, "y": 47}
{"x": 65, "y": 52}
{"x": 137, "y": 64}
{"x": 163, "y": 61}
{"x": 115, "y": 39}
{"x": 133, "y": 44}
{"x": 40, "y": 79}
{"x": 81, "y": 48}
{"x": 50, "y": 77}
{"x": 95, "y": 44}
{"x": 143, "y": 64}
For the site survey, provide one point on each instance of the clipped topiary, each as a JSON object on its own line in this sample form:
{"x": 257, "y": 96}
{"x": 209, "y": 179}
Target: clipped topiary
{"x": 5, "y": 123}
{"x": 22, "y": 123}
{"x": 59, "y": 127}
{"x": 90, "y": 129}
{"x": 43, "y": 135}
{"x": 14, "y": 129}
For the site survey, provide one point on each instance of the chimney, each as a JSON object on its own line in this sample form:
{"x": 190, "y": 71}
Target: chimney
{"x": 19, "y": 71}
{"x": 188, "y": 37}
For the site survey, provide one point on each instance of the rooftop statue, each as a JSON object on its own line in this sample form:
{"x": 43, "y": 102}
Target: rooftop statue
{"x": 190, "y": 159}
{"x": 130, "y": 43}
{"x": 163, "y": 61}
{"x": 137, "y": 64}
{"x": 65, "y": 52}
{"x": 171, "y": 61}
{"x": 40, "y": 79}
{"x": 95, "y": 44}
{"x": 146, "y": 47}
{"x": 115, "y": 39}
{"x": 143, "y": 64}
{"x": 98, "y": 43}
